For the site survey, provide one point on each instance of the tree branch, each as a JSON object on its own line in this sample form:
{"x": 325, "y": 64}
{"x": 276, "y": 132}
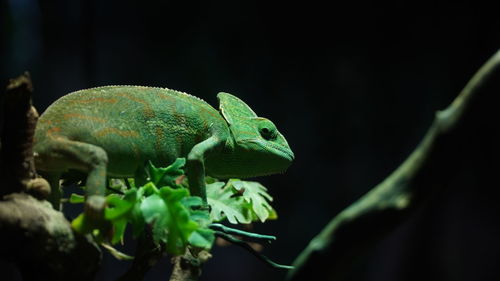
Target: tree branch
{"x": 147, "y": 255}
{"x": 16, "y": 160}
{"x": 367, "y": 220}
{"x": 188, "y": 266}
{"x": 38, "y": 239}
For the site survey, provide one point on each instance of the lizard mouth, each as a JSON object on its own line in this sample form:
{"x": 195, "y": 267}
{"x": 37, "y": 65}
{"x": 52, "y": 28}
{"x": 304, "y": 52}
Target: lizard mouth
{"x": 253, "y": 158}
{"x": 274, "y": 148}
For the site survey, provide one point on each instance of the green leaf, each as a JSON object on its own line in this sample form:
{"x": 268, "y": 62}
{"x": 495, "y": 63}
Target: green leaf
{"x": 131, "y": 182}
{"x": 209, "y": 180}
{"x": 166, "y": 176}
{"x": 81, "y": 225}
{"x": 180, "y": 226}
{"x": 176, "y": 217}
{"x": 192, "y": 201}
{"x": 84, "y": 225}
{"x": 137, "y": 220}
{"x": 119, "y": 226}
{"x": 121, "y": 210}
{"x": 224, "y": 204}
{"x": 201, "y": 217}
{"x": 171, "y": 219}
{"x": 273, "y": 215}
{"x": 121, "y": 205}
{"x": 76, "y": 198}
{"x": 154, "y": 210}
{"x": 256, "y": 194}
{"x": 117, "y": 207}
{"x": 149, "y": 189}
{"x": 153, "y": 207}
{"x": 202, "y": 238}
{"x": 117, "y": 185}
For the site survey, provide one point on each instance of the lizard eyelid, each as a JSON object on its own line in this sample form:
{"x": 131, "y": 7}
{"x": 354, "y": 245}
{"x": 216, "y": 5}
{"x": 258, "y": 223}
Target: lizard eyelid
{"x": 267, "y": 133}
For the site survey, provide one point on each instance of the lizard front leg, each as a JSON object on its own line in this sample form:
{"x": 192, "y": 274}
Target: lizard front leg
{"x": 196, "y": 166}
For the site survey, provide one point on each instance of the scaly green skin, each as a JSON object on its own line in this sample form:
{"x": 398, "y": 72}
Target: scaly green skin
{"x": 114, "y": 130}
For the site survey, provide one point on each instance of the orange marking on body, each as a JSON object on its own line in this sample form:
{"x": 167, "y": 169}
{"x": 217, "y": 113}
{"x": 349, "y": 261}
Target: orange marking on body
{"x": 209, "y": 112}
{"x": 45, "y": 121}
{"x": 172, "y": 101}
{"x": 81, "y": 116}
{"x": 181, "y": 119}
{"x": 180, "y": 141}
{"x": 159, "y": 138}
{"x": 205, "y": 124}
{"x": 51, "y": 131}
{"x": 92, "y": 100}
{"x": 123, "y": 133}
{"x": 166, "y": 97}
{"x": 205, "y": 108}
{"x": 148, "y": 111}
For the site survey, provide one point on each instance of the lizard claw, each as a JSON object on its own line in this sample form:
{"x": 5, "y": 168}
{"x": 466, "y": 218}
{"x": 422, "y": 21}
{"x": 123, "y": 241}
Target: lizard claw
{"x": 94, "y": 212}
{"x": 94, "y": 207}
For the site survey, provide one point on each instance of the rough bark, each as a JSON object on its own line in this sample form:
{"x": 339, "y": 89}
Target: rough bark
{"x": 38, "y": 239}
{"x": 188, "y": 267}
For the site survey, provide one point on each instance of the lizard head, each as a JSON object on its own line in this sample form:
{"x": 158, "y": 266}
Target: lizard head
{"x": 259, "y": 148}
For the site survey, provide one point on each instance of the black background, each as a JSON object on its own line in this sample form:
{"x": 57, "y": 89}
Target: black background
{"x": 352, "y": 86}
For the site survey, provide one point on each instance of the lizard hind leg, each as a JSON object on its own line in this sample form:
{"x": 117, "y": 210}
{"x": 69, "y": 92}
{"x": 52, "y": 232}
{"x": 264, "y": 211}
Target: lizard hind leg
{"x": 61, "y": 154}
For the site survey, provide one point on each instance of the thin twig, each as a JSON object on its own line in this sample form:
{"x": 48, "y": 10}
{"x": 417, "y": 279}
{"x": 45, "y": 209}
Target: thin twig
{"x": 247, "y": 247}
{"x": 246, "y": 234}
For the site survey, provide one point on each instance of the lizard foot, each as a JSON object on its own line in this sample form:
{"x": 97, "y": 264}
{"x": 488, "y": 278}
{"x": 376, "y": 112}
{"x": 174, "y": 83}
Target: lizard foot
{"x": 94, "y": 207}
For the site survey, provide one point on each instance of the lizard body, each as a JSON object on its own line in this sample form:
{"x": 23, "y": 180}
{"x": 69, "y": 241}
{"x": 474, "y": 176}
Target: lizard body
{"x": 112, "y": 131}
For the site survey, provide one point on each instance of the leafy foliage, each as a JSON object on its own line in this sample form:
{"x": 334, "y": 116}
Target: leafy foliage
{"x": 166, "y": 176}
{"x": 225, "y": 205}
{"x": 170, "y": 219}
{"x": 154, "y": 199}
{"x": 256, "y": 194}
{"x": 239, "y": 202}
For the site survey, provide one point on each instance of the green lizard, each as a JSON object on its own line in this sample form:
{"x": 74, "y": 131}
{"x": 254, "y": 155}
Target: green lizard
{"x": 113, "y": 131}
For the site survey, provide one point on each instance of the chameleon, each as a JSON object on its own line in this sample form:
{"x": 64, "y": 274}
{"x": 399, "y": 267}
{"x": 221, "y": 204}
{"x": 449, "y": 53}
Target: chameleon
{"x": 113, "y": 131}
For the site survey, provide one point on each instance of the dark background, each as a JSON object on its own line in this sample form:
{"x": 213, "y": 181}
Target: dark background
{"x": 353, "y": 87}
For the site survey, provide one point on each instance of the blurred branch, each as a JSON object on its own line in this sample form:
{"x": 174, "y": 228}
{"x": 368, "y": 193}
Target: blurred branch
{"x": 188, "y": 266}
{"x": 246, "y": 246}
{"x": 16, "y": 160}
{"x": 147, "y": 255}
{"x": 366, "y": 221}
{"x": 38, "y": 239}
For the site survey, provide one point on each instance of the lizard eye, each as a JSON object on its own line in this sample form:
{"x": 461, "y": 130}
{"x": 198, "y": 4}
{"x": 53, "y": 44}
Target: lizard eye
{"x": 267, "y": 133}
